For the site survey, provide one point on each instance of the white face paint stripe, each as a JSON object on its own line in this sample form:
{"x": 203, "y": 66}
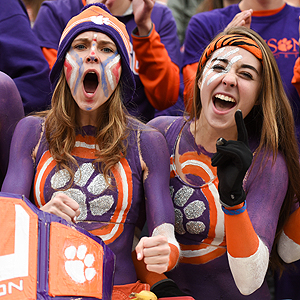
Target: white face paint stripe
{"x": 109, "y": 73}
{"x": 227, "y": 69}
{"x": 74, "y": 69}
{"x": 215, "y": 54}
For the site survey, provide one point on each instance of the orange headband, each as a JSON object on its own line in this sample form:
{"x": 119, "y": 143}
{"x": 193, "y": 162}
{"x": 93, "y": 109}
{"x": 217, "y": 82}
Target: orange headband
{"x": 231, "y": 40}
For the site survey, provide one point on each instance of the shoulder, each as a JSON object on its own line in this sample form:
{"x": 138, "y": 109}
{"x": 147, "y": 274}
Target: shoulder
{"x": 161, "y": 14}
{"x": 30, "y": 124}
{"x": 163, "y": 123}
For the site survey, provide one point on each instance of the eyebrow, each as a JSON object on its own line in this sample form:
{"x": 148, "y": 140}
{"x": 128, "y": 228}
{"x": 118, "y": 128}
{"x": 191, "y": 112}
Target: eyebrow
{"x": 102, "y": 42}
{"x": 226, "y": 61}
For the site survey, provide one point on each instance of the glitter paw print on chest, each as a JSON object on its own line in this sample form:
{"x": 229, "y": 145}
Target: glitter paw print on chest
{"x": 190, "y": 212}
{"x": 92, "y": 185}
{"x": 79, "y": 264}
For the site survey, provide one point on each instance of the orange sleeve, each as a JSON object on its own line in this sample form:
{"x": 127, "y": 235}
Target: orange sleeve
{"x": 241, "y": 239}
{"x": 189, "y": 75}
{"x": 151, "y": 277}
{"x": 291, "y": 228}
{"x": 50, "y": 55}
{"x": 159, "y": 75}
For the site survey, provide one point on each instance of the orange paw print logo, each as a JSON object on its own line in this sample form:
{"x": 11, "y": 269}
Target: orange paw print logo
{"x": 285, "y": 45}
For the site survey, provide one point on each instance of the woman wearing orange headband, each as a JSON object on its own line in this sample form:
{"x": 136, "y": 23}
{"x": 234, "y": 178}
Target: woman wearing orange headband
{"x": 234, "y": 170}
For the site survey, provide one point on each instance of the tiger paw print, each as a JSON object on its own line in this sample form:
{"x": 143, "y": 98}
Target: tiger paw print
{"x": 285, "y": 45}
{"x": 79, "y": 264}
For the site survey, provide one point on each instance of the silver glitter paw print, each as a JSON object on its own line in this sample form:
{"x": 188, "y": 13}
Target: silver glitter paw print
{"x": 98, "y": 206}
{"x": 191, "y": 211}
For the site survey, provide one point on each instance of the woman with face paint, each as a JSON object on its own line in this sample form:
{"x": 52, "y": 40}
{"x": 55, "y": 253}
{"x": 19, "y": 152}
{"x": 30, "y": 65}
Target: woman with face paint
{"x": 234, "y": 170}
{"x": 88, "y": 162}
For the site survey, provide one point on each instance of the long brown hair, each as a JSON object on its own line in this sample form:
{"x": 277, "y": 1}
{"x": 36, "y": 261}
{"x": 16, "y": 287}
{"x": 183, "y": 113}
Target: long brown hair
{"x": 111, "y": 130}
{"x": 272, "y": 123}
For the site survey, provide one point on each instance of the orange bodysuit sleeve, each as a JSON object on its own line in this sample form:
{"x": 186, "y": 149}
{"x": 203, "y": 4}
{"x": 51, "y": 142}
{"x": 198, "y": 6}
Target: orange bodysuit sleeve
{"x": 241, "y": 239}
{"x": 189, "y": 75}
{"x": 159, "y": 75}
{"x": 296, "y": 77}
{"x": 50, "y": 55}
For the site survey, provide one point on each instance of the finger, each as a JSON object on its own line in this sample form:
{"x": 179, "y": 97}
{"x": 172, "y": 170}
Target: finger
{"x": 241, "y": 127}
{"x": 68, "y": 201}
{"x": 139, "y": 249}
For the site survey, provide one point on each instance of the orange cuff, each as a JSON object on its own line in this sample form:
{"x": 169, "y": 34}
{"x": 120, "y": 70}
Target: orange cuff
{"x": 291, "y": 229}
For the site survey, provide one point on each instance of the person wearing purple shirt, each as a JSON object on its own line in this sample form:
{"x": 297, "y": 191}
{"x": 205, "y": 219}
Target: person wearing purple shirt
{"x": 21, "y": 57}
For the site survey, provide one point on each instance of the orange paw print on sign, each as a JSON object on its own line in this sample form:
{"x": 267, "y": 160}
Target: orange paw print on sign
{"x": 285, "y": 45}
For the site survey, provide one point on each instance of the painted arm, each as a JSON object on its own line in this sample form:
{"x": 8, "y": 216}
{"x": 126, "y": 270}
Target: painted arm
{"x": 160, "y": 251}
{"x": 158, "y": 73}
{"x": 20, "y": 173}
{"x": 11, "y": 112}
{"x": 248, "y": 254}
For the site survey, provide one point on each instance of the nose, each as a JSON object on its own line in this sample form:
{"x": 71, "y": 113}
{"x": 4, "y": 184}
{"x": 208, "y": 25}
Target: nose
{"x": 92, "y": 57}
{"x": 229, "y": 79}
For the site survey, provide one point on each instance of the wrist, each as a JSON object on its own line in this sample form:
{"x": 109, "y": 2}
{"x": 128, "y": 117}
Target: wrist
{"x": 235, "y": 210}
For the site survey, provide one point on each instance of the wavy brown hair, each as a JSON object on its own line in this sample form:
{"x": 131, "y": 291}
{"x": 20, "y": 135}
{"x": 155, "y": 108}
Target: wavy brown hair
{"x": 271, "y": 122}
{"x": 61, "y": 125}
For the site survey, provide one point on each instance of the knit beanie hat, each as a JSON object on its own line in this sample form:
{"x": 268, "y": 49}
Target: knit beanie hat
{"x": 96, "y": 17}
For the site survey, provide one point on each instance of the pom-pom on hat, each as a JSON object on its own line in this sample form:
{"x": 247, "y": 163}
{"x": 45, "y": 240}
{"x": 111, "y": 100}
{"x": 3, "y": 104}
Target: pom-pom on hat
{"x": 96, "y": 17}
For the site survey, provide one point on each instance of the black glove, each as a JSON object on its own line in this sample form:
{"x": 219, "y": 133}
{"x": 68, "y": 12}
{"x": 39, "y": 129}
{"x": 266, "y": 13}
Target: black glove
{"x": 233, "y": 159}
{"x": 166, "y": 288}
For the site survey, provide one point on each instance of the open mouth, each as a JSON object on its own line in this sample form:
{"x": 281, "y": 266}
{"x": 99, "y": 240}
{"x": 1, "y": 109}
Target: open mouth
{"x": 90, "y": 82}
{"x": 223, "y": 103}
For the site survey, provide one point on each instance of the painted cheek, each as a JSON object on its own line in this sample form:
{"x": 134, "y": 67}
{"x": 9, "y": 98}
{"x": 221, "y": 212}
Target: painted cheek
{"x": 113, "y": 72}
{"x": 107, "y": 73}
{"x": 71, "y": 69}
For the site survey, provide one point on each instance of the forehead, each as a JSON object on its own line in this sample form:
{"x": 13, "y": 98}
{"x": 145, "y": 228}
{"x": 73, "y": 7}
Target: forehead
{"x": 90, "y": 35}
{"x": 235, "y": 54}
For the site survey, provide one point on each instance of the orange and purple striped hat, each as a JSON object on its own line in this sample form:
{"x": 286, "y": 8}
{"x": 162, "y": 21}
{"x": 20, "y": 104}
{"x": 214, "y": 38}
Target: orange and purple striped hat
{"x": 96, "y": 17}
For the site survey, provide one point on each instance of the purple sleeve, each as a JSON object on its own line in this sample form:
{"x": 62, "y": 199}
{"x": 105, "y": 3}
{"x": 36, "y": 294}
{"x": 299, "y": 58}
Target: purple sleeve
{"x": 202, "y": 28}
{"x": 266, "y": 189}
{"x": 165, "y": 26}
{"x": 19, "y": 177}
{"x": 51, "y": 20}
{"x": 155, "y": 154}
{"x": 21, "y": 57}
{"x": 11, "y": 111}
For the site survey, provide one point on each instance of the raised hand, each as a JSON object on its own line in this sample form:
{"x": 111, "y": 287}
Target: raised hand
{"x": 241, "y": 19}
{"x": 142, "y": 10}
{"x": 233, "y": 159}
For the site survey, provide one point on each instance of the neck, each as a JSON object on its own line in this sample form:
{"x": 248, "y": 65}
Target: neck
{"x": 261, "y": 4}
{"x": 207, "y": 136}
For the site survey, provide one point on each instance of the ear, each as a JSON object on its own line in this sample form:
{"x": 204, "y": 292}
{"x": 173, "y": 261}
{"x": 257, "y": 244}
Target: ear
{"x": 199, "y": 83}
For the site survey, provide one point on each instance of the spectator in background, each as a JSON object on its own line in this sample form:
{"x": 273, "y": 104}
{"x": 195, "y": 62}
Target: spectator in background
{"x": 155, "y": 56}
{"x": 32, "y": 7}
{"x": 182, "y": 11}
{"x": 21, "y": 57}
{"x": 208, "y": 5}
